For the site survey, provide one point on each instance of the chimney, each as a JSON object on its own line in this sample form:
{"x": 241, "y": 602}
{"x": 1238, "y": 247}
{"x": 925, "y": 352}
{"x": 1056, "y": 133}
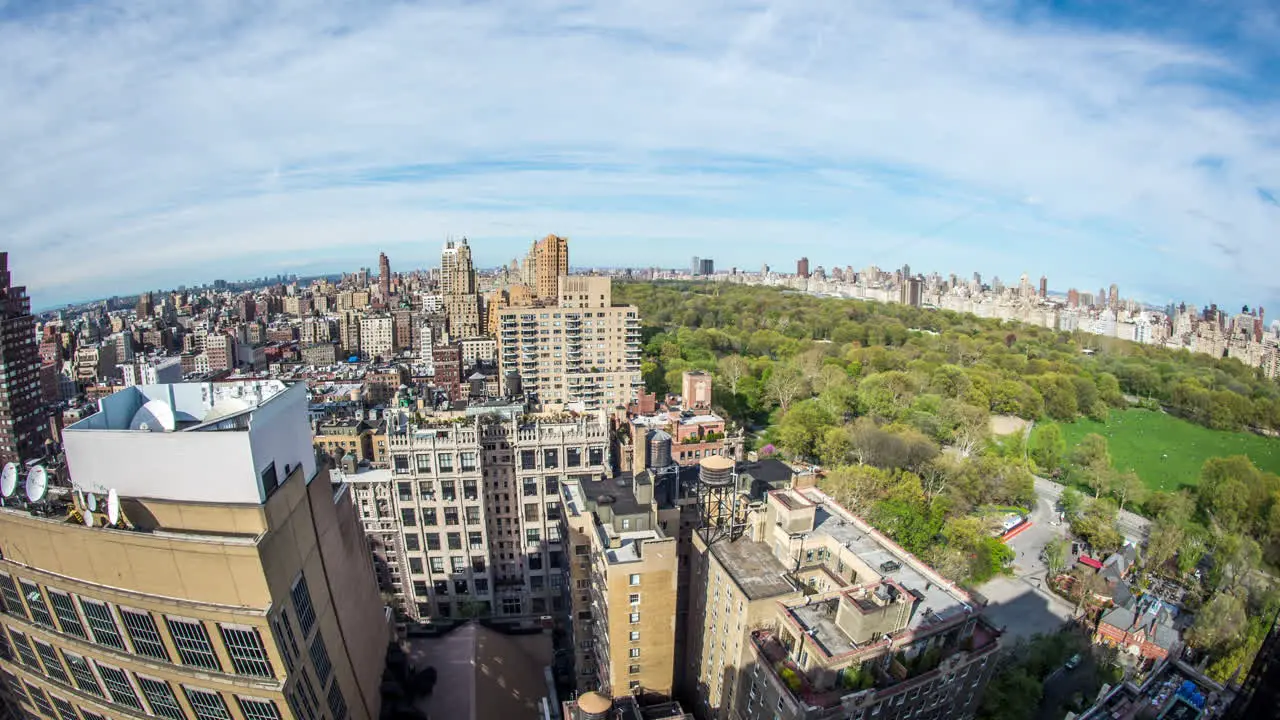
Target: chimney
{"x": 639, "y": 448}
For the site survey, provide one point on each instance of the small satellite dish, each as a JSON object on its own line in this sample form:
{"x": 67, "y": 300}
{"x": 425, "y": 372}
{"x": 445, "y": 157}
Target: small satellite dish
{"x": 88, "y": 518}
{"x": 37, "y": 483}
{"x": 113, "y": 507}
{"x": 91, "y": 502}
{"x": 9, "y": 479}
{"x": 79, "y": 499}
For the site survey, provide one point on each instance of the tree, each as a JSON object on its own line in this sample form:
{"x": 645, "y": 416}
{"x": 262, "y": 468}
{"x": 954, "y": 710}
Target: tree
{"x": 1055, "y": 555}
{"x": 1048, "y": 447}
{"x": 732, "y": 369}
{"x": 1226, "y": 489}
{"x": 1097, "y": 526}
{"x": 1218, "y": 622}
{"x": 785, "y": 384}
{"x": 1163, "y": 543}
{"x": 1128, "y": 486}
{"x": 835, "y": 447}
{"x": 1072, "y": 503}
{"x": 969, "y": 425}
{"x": 802, "y": 426}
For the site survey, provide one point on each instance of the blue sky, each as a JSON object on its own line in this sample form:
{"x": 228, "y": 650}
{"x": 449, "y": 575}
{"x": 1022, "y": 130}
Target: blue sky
{"x": 148, "y": 143}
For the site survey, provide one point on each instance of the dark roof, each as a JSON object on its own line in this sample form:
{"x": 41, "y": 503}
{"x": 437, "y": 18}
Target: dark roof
{"x": 618, "y": 488}
{"x": 753, "y": 567}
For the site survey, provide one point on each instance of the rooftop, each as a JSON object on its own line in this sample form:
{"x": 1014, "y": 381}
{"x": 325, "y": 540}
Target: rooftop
{"x": 753, "y": 567}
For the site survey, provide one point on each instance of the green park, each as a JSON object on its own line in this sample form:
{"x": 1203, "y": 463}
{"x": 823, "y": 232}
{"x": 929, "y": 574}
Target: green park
{"x": 1168, "y": 452}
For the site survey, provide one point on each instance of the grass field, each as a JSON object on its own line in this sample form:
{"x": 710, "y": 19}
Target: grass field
{"x": 1167, "y": 452}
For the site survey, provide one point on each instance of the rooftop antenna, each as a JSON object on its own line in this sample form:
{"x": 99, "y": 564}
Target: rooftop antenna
{"x": 37, "y": 483}
{"x": 113, "y": 507}
{"x": 9, "y": 479}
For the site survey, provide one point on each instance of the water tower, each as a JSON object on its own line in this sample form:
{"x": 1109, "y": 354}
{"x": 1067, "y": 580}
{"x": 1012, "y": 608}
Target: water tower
{"x": 720, "y": 508}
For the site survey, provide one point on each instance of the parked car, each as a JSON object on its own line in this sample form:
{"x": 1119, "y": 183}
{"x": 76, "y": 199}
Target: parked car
{"x": 1073, "y": 662}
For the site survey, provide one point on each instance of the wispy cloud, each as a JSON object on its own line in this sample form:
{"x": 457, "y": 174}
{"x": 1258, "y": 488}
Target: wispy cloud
{"x": 145, "y": 141}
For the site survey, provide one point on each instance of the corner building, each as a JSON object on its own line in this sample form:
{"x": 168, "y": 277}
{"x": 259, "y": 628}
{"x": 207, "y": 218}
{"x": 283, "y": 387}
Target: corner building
{"x": 237, "y": 585}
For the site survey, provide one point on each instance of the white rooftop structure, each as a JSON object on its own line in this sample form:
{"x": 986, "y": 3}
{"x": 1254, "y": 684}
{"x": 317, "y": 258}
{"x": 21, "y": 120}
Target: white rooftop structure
{"x": 229, "y": 443}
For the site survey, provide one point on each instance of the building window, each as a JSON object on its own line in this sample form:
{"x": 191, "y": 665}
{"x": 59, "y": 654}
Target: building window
{"x": 52, "y": 666}
{"x": 553, "y": 485}
{"x": 12, "y": 600}
{"x": 405, "y": 491}
{"x": 633, "y": 580}
{"x": 528, "y": 459}
{"x": 428, "y": 517}
{"x": 144, "y": 634}
{"x": 320, "y": 659}
{"x": 482, "y": 587}
{"x": 635, "y": 618}
{"x": 635, "y": 635}
{"x": 420, "y": 588}
{"x": 206, "y": 704}
{"x": 89, "y": 715}
{"x": 66, "y": 711}
{"x": 244, "y": 646}
{"x": 451, "y": 516}
{"x": 415, "y": 566}
{"x": 532, "y": 536}
{"x": 437, "y": 564}
{"x": 424, "y": 462}
{"x": 258, "y": 709}
{"x": 118, "y": 686}
{"x": 475, "y": 540}
{"x": 530, "y": 487}
{"x": 468, "y": 461}
{"x": 407, "y": 517}
{"x": 634, "y": 669}
{"x": 553, "y": 510}
{"x": 455, "y": 540}
{"x": 35, "y": 601}
{"x": 460, "y": 587}
{"x": 550, "y": 459}
{"x": 433, "y": 541}
{"x": 66, "y": 612}
{"x": 441, "y": 588}
{"x": 444, "y": 462}
{"x": 595, "y": 456}
{"x": 101, "y": 624}
{"x": 401, "y": 463}
{"x": 633, "y": 652}
{"x": 427, "y": 489}
{"x": 573, "y": 457}
{"x": 81, "y": 674}
{"x": 448, "y": 490}
{"x": 634, "y": 598}
{"x": 40, "y": 700}
{"x": 160, "y": 697}
{"x": 472, "y": 515}
{"x": 192, "y": 641}
{"x": 302, "y": 605}
{"x": 411, "y": 542}
{"x": 337, "y": 703}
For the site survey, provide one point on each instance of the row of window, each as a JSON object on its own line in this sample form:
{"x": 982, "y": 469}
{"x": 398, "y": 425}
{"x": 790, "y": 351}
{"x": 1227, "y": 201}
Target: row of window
{"x": 116, "y": 686}
{"x": 422, "y": 462}
{"x": 96, "y": 621}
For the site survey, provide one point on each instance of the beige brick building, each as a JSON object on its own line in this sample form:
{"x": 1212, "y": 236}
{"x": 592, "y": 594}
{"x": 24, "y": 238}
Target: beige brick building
{"x": 236, "y": 586}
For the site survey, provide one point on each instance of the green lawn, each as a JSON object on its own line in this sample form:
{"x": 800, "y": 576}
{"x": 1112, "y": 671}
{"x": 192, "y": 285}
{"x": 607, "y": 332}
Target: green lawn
{"x": 1167, "y": 452}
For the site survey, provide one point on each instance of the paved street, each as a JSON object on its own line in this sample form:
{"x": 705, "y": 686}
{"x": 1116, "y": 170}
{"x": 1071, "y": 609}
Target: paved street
{"x": 1133, "y": 527}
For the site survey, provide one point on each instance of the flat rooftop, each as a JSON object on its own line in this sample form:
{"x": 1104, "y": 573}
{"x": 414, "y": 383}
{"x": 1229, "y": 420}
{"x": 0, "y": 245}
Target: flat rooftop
{"x": 181, "y": 407}
{"x": 753, "y": 567}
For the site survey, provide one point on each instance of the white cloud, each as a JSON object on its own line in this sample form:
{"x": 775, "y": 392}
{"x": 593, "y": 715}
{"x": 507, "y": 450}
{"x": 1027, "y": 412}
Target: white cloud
{"x": 158, "y": 137}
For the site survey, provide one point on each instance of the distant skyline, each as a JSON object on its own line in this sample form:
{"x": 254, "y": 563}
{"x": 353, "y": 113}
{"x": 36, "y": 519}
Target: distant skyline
{"x": 147, "y": 144}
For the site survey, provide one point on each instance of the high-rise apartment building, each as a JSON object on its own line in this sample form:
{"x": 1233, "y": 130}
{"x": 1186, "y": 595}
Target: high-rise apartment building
{"x": 802, "y": 267}
{"x": 21, "y": 406}
{"x": 234, "y": 585}
{"x": 467, "y": 519}
{"x": 384, "y": 275}
{"x": 377, "y": 337}
{"x": 1044, "y": 287}
{"x": 583, "y": 350}
{"x": 550, "y": 258}
{"x": 457, "y": 273}
{"x": 1113, "y": 297}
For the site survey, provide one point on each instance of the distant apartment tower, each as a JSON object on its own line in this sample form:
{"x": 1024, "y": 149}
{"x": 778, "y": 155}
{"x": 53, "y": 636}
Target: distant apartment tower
{"x": 911, "y": 291}
{"x": 21, "y": 406}
{"x": 582, "y": 350}
{"x": 377, "y": 337}
{"x": 707, "y": 267}
{"x": 550, "y": 261}
{"x": 1044, "y": 287}
{"x": 1113, "y": 297}
{"x": 695, "y": 267}
{"x": 234, "y": 585}
{"x": 1073, "y": 298}
{"x": 152, "y": 371}
{"x": 802, "y": 267}
{"x": 457, "y": 273}
{"x": 384, "y": 275}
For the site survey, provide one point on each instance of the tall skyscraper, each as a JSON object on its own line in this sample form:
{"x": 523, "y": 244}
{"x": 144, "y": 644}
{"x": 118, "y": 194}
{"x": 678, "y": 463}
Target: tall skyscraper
{"x": 696, "y": 266}
{"x": 21, "y": 406}
{"x": 802, "y": 267}
{"x": 550, "y": 262}
{"x": 1044, "y": 286}
{"x": 384, "y": 275}
{"x": 233, "y": 583}
{"x": 457, "y": 274}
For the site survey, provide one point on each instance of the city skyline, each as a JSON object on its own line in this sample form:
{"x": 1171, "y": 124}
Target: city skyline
{"x": 1133, "y": 146}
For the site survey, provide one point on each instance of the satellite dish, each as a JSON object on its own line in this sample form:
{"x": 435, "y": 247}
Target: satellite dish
{"x": 154, "y": 416}
{"x": 79, "y": 499}
{"x": 9, "y": 479}
{"x": 113, "y": 507}
{"x": 91, "y": 502}
{"x": 225, "y": 408}
{"x": 37, "y": 483}
{"x": 88, "y": 518}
